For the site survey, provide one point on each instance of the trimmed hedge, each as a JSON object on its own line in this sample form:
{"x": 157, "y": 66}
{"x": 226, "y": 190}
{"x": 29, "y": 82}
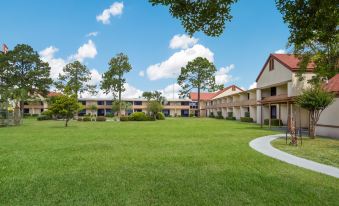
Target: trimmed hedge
{"x": 160, "y": 116}
{"x": 274, "y": 122}
{"x": 43, "y": 117}
{"x": 138, "y": 116}
{"x": 219, "y": 115}
{"x": 86, "y": 119}
{"x": 100, "y": 119}
{"x": 246, "y": 119}
{"x": 247, "y": 114}
{"x": 80, "y": 119}
{"x": 230, "y": 118}
{"x": 124, "y": 118}
{"x": 211, "y": 115}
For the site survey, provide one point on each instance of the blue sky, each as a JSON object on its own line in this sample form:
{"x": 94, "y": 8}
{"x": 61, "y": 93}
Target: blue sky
{"x": 59, "y": 31}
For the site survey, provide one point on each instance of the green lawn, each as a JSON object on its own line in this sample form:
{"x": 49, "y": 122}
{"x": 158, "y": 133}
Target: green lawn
{"x": 323, "y": 150}
{"x": 171, "y": 162}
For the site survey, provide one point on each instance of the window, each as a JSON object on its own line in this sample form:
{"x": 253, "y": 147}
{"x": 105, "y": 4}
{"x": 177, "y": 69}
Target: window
{"x": 166, "y": 112}
{"x": 138, "y": 110}
{"x": 138, "y": 103}
{"x": 101, "y": 112}
{"x": 271, "y": 64}
{"x": 185, "y": 113}
{"x": 109, "y": 103}
{"x": 184, "y": 103}
{"x": 100, "y": 102}
{"x": 108, "y": 111}
{"x": 273, "y": 112}
{"x": 82, "y": 112}
{"x": 82, "y": 102}
{"x": 26, "y": 111}
{"x": 248, "y": 95}
{"x": 273, "y": 91}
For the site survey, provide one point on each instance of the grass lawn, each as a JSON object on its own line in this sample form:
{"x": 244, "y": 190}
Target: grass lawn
{"x": 171, "y": 162}
{"x": 323, "y": 150}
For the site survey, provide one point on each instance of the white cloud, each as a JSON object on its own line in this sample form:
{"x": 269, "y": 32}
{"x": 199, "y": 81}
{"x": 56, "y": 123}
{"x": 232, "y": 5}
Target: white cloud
{"x": 222, "y": 76}
{"x": 87, "y": 50}
{"x": 169, "y": 90}
{"x": 115, "y": 9}
{"x": 280, "y": 51}
{"x": 171, "y": 67}
{"x": 56, "y": 64}
{"x": 94, "y": 33}
{"x": 182, "y": 41}
{"x": 96, "y": 77}
{"x": 253, "y": 85}
{"x": 141, "y": 73}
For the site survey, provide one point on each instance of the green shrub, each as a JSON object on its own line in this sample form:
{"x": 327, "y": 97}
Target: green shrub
{"x": 247, "y": 114}
{"x": 109, "y": 115}
{"x": 274, "y": 122}
{"x": 160, "y": 116}
{"x": 211, "y": 115}
{"x": 124, "y": 118}
{"x": 86, "y": 119}
{"x": 43, "y": 117}
{"x": 150, "y": 118}
{"x": 219, "y": 115}
{"x": 47, "y": 113}
{"x": 138, "y": 116}
{"x": 80, "y": 119}
{"x": 230, "y": 118}
{"x": 192, "y": 115}
{"x": 27, "y": 115}
{"x": 229, "y": 114}
{"x": 246, "y": 119}
{"x": 35, "y": 115}
{"x": 101, "y": 119}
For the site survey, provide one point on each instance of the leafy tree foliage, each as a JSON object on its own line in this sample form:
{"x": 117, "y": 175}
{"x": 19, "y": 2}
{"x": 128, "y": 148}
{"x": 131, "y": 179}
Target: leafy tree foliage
{"x": 23, "y": 74}
{"x": 315, "y": 99}
{"x": 198, "y": 74}
{"x": 314, "y": 36}
{"x": 200, "y": 15}
{"x": 113, "y": 80}
{"x": 154, "y": 107}
{"x": 65, "y": 106}
{"x": 125, "y": 106}
{"x": 74, "y": 79}
{"x": 155, "y": 100}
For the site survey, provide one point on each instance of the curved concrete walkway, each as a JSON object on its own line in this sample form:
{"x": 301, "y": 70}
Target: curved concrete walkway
{"x": 263, "y": 145}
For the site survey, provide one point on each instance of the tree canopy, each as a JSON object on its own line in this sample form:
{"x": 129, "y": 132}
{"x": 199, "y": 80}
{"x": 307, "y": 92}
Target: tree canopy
{"x": 313, "y": 26}
{"x": 198, "y": 74}
{"x": 65, "y": 106}
{"x": 113, "y": 79}
{"x": 315, "y": 99}
{"x": 23, "y": 74}
{"x": 75, "y": 79}
{"x": 200, "y": 15}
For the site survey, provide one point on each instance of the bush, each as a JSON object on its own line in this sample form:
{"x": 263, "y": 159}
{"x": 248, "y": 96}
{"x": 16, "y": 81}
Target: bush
{"x": 192, "y": 115}
{"x": 138, "y": 116}
{"x": 211, "y": 115}
{"x": 27, "y": 115}
{"x": 274, "y": 122}
{"x": 109, "y": 115}
{"x": 124, "y": 118}
{"x": 43, "y": 117}
{"x": 229, "y": 114}
{"x": 47, "y": 113}
{"x": 150, "y": 118}
{"x": 101, "y": 119}
{"x": 35, "y": 115}
{"x": 80, "y": 119}
{"x": 219, "y": 115}
{"x": 247, "y": 114}
{"x": 86, "y": 119}
{"x": 230, "y": 118}
{"x": 246, "y": 119}
{"x": 160, "y": 116}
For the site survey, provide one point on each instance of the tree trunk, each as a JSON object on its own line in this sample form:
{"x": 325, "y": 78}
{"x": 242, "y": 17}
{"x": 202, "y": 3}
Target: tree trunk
{"x": 198, "y": 102}
{"x": 119, "y": 104}
{"x": 66, "y": 123}
{"x": 312, "y": 127}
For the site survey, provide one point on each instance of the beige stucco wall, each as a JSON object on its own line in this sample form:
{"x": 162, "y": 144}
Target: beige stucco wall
{"x": 278, "y": 75}
{"x": 295, "y": 87}
{"x": 330, "y": 116}
{"x": 227, "y": 93}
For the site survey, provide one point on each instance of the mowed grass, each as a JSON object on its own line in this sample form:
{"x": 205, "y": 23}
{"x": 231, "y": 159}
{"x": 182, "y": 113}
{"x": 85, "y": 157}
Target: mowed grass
{"x": 323, "y": 150}
{"x": 171, "y": 162}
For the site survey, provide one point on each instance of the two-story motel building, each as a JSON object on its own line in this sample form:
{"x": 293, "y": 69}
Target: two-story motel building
{"x": 273, "y": 98}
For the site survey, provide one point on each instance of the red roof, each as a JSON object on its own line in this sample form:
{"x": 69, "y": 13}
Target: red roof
{"x": 210, "y": 95}
{"x": 290, "y": 61}
{"x": 333, "y": 84}
{"x": 53, "y": 94}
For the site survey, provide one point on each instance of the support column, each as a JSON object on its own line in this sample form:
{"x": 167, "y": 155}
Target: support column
{"x": 269, "y": 120}
{"x": 279, "y": 110}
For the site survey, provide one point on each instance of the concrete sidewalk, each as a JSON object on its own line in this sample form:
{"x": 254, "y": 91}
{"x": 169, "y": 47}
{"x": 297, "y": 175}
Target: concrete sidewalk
{"x": 263, "y": 145}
